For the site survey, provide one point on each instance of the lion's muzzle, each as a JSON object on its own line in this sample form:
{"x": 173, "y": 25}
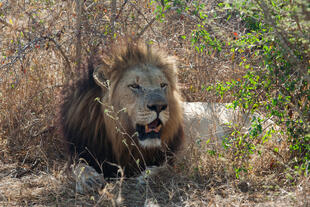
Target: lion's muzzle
{"x": 149, "y": 134}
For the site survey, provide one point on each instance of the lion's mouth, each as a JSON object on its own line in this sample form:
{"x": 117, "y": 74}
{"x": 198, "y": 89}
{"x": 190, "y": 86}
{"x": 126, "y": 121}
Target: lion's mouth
{"x": 149, "y": 131}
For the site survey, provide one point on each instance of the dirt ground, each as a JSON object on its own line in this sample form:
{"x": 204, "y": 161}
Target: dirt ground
{"x": 169, "y": 187}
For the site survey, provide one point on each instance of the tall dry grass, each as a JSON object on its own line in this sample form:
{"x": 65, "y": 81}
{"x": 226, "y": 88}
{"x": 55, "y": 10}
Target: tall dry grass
{"x": 43, "y": 46}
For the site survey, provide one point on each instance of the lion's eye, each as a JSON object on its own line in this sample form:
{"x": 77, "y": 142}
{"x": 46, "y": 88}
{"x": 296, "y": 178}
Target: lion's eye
{"x": 134, "y": 86}
{"x": 163, "y": 85}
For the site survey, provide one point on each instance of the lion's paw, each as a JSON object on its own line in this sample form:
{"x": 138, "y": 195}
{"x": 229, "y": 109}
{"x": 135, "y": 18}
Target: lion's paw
{"x": 148, "y": 173}
{"x": 87, "y": 179}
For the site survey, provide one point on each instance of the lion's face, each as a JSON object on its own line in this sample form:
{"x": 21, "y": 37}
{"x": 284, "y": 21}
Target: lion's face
{"x": 130, "y": 109}
{"x": 143, "y": 93}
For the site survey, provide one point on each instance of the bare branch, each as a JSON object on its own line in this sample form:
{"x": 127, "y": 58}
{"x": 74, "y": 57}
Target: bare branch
{"x": 21, "y": 52}
{"x": 149, "y": 24}
{"x": 113, "y": 16}
{"x": 121, "y": 9}
{"x": 145, "y": 28}
{"x": 78, "y": 46}
{"x": 283, "y": 39}
{"x": 62, "y": 53}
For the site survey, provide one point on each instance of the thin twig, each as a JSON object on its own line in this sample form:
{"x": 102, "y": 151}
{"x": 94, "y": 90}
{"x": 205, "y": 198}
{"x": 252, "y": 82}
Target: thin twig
{"x": 113, "y": 16}
{"x": 149, "y": 24}
{"x": 21, "y": 52}
{"x": 145, "y": 28}
{"x": 78, "y": 46}
{"x": 62, "y": 53}
{"x": 121, "y": 9}
{"x": 283, "y": 40}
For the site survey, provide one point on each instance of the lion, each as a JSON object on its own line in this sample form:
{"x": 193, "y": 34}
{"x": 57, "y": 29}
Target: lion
{"x": 127, "y": 114}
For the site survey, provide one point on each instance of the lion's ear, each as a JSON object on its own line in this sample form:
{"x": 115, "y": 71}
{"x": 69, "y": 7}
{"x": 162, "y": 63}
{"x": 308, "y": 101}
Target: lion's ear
{"x": 100, "y": 77}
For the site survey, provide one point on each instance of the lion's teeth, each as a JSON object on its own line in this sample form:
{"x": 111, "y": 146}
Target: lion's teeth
{"x": 147, "y": 130}
{"x": 157, "y": 128}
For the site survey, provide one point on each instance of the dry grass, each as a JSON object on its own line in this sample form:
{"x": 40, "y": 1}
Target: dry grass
{"x": 37, "y": 45}
{"x": 211, "y": 183}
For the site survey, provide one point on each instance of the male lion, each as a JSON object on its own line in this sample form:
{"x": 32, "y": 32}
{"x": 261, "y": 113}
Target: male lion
{"x": 129, "y": 114}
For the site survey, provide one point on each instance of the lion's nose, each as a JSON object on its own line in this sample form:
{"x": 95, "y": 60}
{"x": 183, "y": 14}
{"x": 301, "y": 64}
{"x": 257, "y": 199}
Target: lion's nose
{"x": 157, "y": 107}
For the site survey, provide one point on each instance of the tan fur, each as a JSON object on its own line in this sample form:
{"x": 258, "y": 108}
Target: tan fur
{"x": 117, "y": 112}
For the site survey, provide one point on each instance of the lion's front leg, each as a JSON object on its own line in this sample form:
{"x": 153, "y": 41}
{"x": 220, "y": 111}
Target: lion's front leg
{"x": 87, "y": 179}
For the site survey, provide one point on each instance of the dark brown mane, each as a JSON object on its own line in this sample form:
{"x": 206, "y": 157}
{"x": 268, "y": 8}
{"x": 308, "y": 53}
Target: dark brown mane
{"x": 85, "y": 124}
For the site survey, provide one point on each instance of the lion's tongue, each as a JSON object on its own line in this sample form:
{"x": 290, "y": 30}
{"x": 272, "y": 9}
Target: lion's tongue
{"x": 153, "y": 126}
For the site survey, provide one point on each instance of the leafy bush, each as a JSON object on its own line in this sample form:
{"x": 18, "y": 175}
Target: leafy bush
{"x": 271, "y": 42}
{"x": 277, "y": 83}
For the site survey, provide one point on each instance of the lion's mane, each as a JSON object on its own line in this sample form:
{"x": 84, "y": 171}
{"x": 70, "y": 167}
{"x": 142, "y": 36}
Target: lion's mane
{"x": 92, "y": 136}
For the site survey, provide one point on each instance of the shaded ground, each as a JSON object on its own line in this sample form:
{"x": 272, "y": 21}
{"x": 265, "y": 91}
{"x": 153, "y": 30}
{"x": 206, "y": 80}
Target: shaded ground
{"x": 169, "y": 187}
